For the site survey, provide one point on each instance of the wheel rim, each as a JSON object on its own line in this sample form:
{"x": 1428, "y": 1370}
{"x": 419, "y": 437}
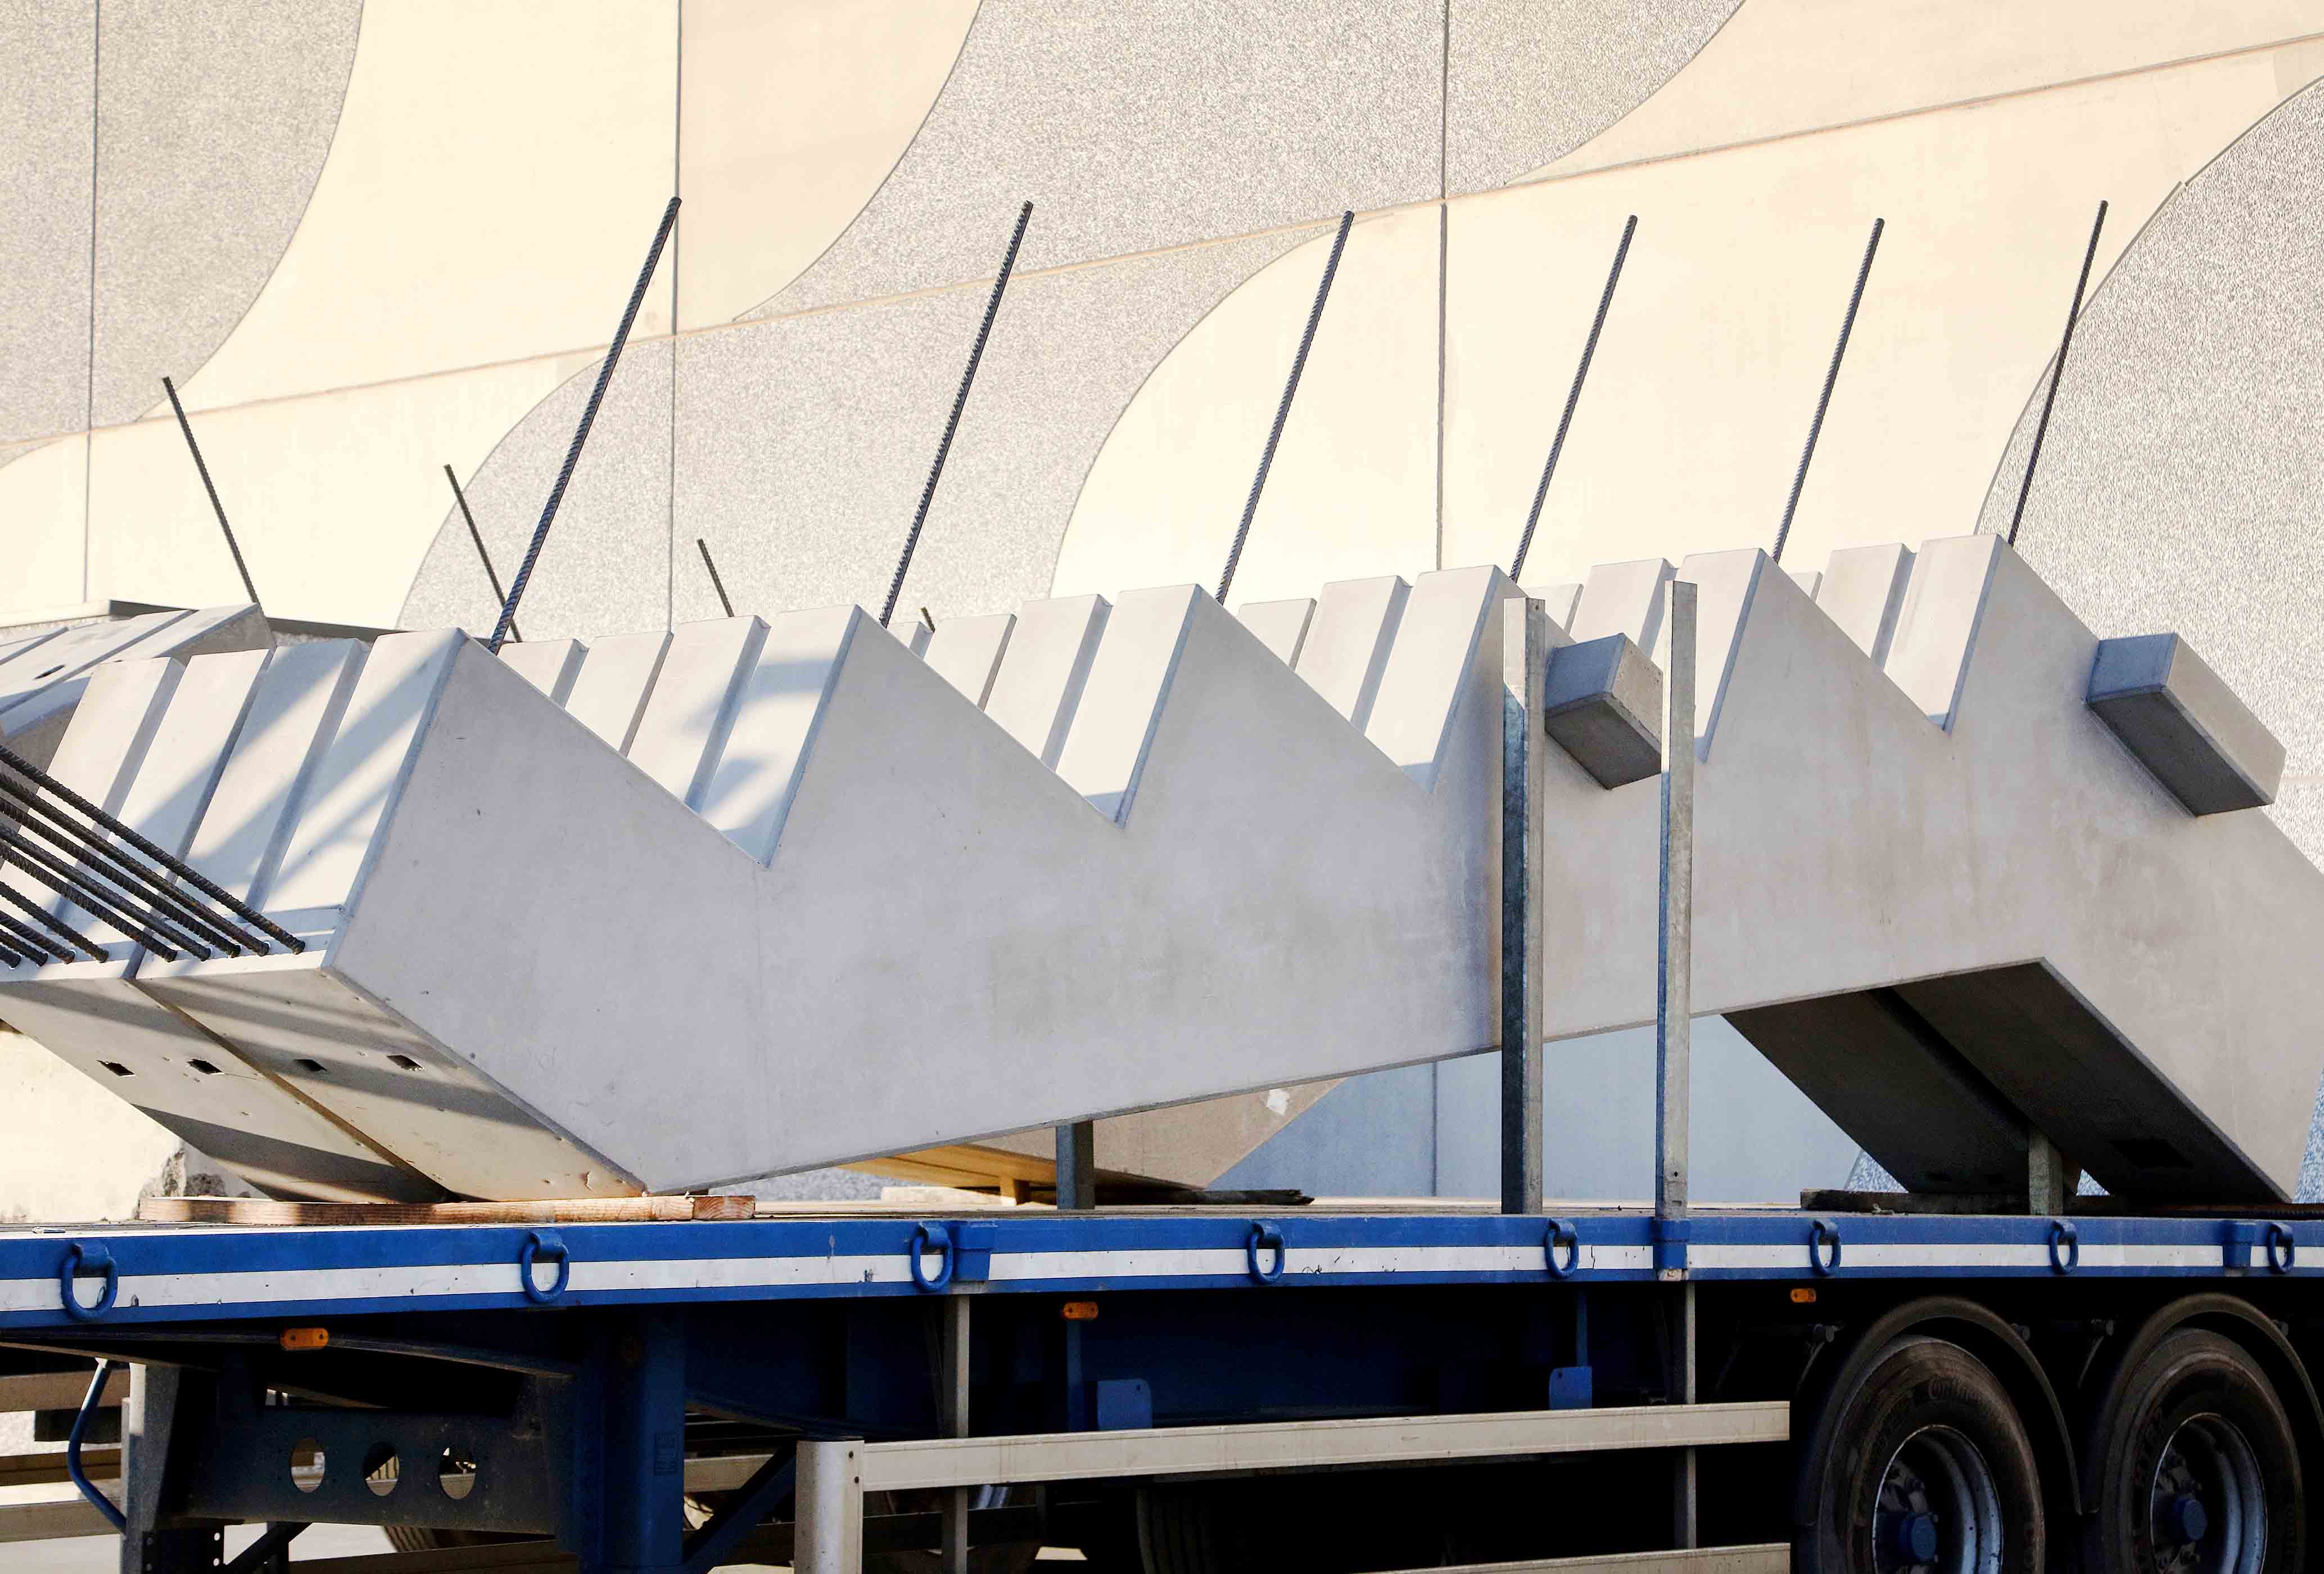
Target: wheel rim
{"x": 2207, "y": 1504}
{"x": 1939, "y": 1509}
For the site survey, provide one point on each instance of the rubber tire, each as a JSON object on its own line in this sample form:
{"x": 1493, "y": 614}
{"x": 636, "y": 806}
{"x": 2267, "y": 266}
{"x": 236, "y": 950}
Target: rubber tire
{"x": 1916, "y": 1382}
{"x": 2190, "y": 1371}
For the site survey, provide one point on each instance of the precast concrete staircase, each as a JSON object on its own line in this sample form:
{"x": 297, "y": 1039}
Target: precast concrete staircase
{"x": 678, "y": 907}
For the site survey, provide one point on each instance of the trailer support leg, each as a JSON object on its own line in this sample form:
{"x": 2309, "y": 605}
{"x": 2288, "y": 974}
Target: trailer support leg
{"x": 828, "y": 1535}
{"x": 1525, "y": 661}
{"x": 640, "y": 1479}
{"x": 954, "y": 1416}
{"x": 155, "y": 1542}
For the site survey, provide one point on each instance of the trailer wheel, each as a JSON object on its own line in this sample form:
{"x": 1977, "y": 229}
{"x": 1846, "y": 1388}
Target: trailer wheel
{"x": 1927, "y": 1471}
{"x": 2199, "y": 1473}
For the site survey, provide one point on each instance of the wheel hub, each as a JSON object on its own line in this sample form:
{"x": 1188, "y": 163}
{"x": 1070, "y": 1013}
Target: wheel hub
{"x": 1939, "y": 1509}
{"x": 2207, "y": 1504}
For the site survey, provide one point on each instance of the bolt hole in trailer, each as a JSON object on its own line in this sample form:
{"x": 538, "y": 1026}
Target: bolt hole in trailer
{"x": 486, "y": 1307}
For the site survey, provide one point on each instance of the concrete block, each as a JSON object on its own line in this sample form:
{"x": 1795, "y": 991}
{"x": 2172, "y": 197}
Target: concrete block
{"x": 1725, "y": 584}
{"x": 1602, "y": 704}
{"x": 1348, "y": 643}
{"x": 1623, "y": 598}
{"x": 1421, "y": 683}
{"x": 548, "y": 665}
{"x": 1042, "y": 672}
{"x": 1863, "y": 591}
{"x": 966, "y": 652}
{"x": 39, "y": 690}
{"x": 609, "y": 693}
{"x": 293, "y": 712}
{"x": 1808, "y": 579}
{"x": 915, "y": 636}
{"x": 2185, "y": 724}
{"x": 1281, "y": 626}
{"x": 682, "y": 730}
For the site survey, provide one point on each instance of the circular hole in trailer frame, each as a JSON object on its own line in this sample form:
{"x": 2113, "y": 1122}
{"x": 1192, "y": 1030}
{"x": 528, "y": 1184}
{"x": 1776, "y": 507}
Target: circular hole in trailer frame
{"x": 456, "y": 1471}
{"x": 381, "y": 1468}
{"x": 309, "y": 1465}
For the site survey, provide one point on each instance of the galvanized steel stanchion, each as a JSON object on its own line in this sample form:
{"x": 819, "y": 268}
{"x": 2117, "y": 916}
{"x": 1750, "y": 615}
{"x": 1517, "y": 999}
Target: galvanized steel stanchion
{"x": 581, "y": 433}
{"x": 827, "y": 1534}
{"x": 1673, "y": 1036}
{"x": 216, "y": 508}
{"x": 1283, "y": 409}
{"x": 951, "y": 423}
{"x": 1077, "y": 1165}
{"x": 2057, "y": 371}
{"x": 1572, "y": 397}
{"x": 491, "y": 575}
{"x": 1830, "y": 376}
{"x": 1525, "y": 661}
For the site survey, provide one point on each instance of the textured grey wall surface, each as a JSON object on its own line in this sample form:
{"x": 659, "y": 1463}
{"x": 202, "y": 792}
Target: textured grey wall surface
{"x": 46, "y": 151}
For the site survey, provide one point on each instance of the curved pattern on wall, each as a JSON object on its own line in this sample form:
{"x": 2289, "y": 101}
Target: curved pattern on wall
{"x": 801, "y": 444}
{"x": 1531, "y": 80}
{"x": 204, "y": 130}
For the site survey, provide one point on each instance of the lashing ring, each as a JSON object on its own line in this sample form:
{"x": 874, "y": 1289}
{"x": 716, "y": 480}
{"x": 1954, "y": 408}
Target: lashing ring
{"x": 1261, "y": 1238}
{"x": 78, "y": 1259}
{"x": 2281, "y": 1236}
{"x": 1562, "y": 1233}
{"x": 1822, "y": 1233}
{"x": 538, "y": 1245}
{"x": 930, "y": 1237}
{"x": 2065, "y": 1246}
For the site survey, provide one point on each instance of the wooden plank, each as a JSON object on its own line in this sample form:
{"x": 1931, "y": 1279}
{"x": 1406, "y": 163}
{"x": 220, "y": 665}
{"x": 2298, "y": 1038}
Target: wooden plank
{"x": 261, "y": 1210}
{"x": 1765, "y": 1557}
{"x": 58, "y": 1390}
{"x": 48, "y": 1469}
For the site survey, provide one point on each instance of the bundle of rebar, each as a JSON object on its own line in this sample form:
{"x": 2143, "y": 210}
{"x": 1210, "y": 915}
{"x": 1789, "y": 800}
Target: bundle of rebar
{"x": 109, "y": 871}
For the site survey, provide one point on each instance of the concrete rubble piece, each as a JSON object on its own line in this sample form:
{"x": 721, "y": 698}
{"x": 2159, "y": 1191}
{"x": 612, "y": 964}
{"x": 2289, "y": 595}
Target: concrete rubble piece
{"x": 660, "y": 912}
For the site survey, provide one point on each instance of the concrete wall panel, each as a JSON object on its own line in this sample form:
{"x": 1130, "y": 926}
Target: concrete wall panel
{"x": 48, "y": 64}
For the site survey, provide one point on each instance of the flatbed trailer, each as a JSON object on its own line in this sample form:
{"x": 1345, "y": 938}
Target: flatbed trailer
{"x": 1201, "y": 1388}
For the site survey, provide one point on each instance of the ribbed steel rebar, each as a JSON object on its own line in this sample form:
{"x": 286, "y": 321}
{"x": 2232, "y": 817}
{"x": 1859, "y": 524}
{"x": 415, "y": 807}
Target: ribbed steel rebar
{"x": 106, "y": 904}
{"x": 715, "y": 582}
{"x": 32, "y": 944}
{"x": 83, "y": 843}
{"x": 40, "y": 915}
{"x": 1823, "y": 400}
{"x": 2057, "y": 370}
{"x": 491, "y": 575}
{"x": 1572, "y": 397}
{"x": 232, "y": 545}
{"x": 1282, "y": 408}
{"x": 174, "y": 865}
{"x": 951, "y": 425}
{"x": 581, "y": 433}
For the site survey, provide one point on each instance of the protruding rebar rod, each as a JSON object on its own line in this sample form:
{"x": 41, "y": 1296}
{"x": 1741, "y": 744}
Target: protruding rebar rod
{"x": 1283, "y": 409}
{"x": 105, "y": 903}
{"x": 1573, "y": 397}
{"x": 2057, "y": 370}
{"x": 31, "y": 943}
{"x": 715, "y": 582}
{"x": 174, "y": 865}
{"x": 500, "y": 597}
{"x": 1830, "y": 376}
{"x": 581, "y": 432}
{"x": 40, "y": 915}
{"x": 951, "y": 423}
{"x": 82, "y": 842}
{"x": 207, "y": 485}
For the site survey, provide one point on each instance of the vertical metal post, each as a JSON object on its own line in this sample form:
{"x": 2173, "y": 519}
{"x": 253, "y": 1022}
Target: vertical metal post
{"x": 827, "y": 1536}
{"x": 641, "y": 1488}
{"x": 1674, "y": 1038}
{"x": 1077, "y": 1165}
{"x": 2051, "y": 1180}
{"x": 1525, "y": 660}
{"x": 148, "y": 1440}
{"x": 954, "y": 1405}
